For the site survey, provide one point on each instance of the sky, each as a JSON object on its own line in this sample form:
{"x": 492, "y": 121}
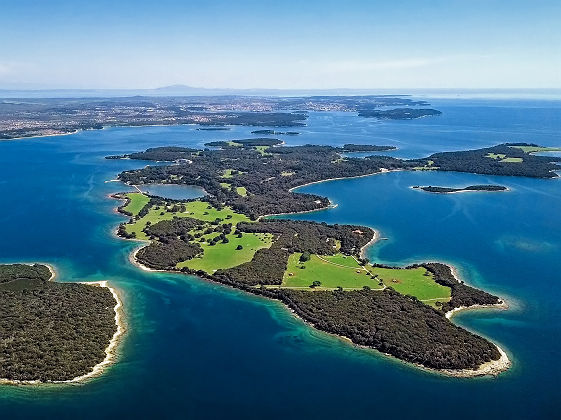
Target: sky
{"x": 284, "y": 44}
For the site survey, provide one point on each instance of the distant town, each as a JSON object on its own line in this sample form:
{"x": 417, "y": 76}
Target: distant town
{"x": 56, "y": 116}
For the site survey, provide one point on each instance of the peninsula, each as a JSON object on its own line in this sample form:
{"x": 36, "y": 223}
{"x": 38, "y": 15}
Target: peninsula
{"x": 317, "y": 270}
{"x": 54, "y": 332}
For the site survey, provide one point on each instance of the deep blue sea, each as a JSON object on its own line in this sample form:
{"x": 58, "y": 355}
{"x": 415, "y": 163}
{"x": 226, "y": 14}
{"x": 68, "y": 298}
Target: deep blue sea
{"x": 194, "y": 349}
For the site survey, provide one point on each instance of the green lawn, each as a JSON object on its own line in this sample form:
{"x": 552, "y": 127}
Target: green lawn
{"x": 224, "y": 255}
{"x": 503, "y": 158}
{"x": 537, "y": 149}
{"x": 341, "y": 270}
{"x": 226, "y": 185}
{"x": 262, "y": 150}
{"x": 227, "y": 173}
{"x": 137, "y": 202}
{"x": 413, "y": 282}
{"x": 241, "y": 191}
{"x": 195, "y": 209}
{"x": 330, "y": 275}
{"x": 495, "y": 156}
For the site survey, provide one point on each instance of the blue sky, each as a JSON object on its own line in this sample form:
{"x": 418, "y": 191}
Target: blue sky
{"x": 280, "y": 44}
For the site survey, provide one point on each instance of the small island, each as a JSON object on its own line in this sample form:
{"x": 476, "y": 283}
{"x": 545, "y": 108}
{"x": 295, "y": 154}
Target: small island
{"x": 275, "y": 133}
{"x": 54, "y": 332}
{"x": 470, "y": 188}
{"x": 399, "y": 113}
{"x": 317, "y": 270}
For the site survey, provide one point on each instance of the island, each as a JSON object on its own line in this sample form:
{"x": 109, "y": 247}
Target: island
{"x": 451, "y": 190}
{"x": 399, "y": 113}
{"x": 318, "y": 271}
{"x": 54, "y": 332}
{"x": 275, "y": 133}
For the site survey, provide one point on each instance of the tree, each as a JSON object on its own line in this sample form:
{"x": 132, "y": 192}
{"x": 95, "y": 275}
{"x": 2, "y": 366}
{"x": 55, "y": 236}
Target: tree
{"x": 316, "y": 283}
{"x": 305, "y": 256}
{"x": 239, "y": 247}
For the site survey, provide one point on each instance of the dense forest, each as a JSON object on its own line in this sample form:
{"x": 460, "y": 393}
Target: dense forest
{"x": 51, "y": 331}
{"x": 462, "y": 295}
{"x": 11, "y": 272}
{"x": 498, "y": 160}
{"x": 392, "y": 323}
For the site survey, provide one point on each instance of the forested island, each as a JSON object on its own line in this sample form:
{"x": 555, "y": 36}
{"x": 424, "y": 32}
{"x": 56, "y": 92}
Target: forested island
{"x": 399, "y": 113}
{"x": 53, "y": 332}
{"x": 275, "y": 133}
{"x": 317, "y": 270}
{"x": 450, "y": 190}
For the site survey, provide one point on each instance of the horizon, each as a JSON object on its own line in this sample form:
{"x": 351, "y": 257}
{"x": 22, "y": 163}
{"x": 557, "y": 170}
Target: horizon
{"x": 358, "y": 45}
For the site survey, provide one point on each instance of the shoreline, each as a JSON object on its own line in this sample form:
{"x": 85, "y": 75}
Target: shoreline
{"x": 331, "y": 205}
{"x": 110, "y": 350}
{"x": 44, "y": 135}
{"x": 491, "y": 368}
{"x": 382, "y": 171}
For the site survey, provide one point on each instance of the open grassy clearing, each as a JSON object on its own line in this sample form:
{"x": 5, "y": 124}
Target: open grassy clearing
{"x": 262, "y": 150}
{"x": 328, "y": 274}
{"x": 228, "y": 173}
{"x": 495, "y": 156}
{"x": 503, "y": 158}
{"x": 241, "y": 191}
{"x": 137, "y": 202}
{"x": 225, "y": 255}
{"x": 195, "y": 209}
{"x": 413, "y": 282}
{"x": 337, "y": 270}
{"x": 537, "y": 149}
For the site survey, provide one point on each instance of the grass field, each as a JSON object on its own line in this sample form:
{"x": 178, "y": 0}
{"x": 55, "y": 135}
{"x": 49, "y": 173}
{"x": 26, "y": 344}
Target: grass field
{"x": 241, "y": 191}
{"x": 341, "y": 270}
{"x": 537, "y": 149}
{"x": 224, "y": 255}
{"x": 348, "y": 274}
{"x": 495, "y": 156}
{"x": 262, "y": 150}
{"x": 413, "y": 282}
{"x": 195, "y": 209}
{"x": 227, "y": 173}
{"x": 137, "y": 201}
{"x": 504, "y": 158}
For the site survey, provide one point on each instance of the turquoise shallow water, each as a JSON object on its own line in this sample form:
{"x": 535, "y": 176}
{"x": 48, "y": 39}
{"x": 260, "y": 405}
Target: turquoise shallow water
{"x": 199, "y": 350}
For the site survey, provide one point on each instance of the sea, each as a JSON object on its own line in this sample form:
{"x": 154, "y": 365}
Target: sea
{"x": 198, "y": 350}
